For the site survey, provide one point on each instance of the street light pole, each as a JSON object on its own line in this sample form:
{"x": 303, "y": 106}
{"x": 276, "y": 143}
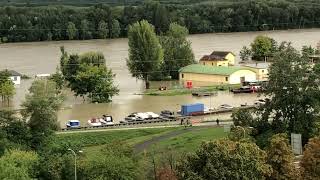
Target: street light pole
{"x": 75, "y": 162}
{"x": 244, "y": 131}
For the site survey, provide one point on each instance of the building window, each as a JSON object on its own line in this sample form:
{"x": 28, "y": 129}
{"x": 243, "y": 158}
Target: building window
{"x": 15, "y": 78}
{"x": 262, "y": 71}
{"x": 182, "y": 76}
{"x": 227, "y": 78}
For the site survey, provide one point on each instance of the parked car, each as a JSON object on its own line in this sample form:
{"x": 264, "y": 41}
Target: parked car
{"x": 73, "y": 124}
{"x": 167, "y": 114}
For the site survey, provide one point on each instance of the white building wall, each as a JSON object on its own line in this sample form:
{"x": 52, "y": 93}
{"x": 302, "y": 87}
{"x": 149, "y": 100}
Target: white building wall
{"x": 15, "y": 79}
{"x": 235, "y": 78}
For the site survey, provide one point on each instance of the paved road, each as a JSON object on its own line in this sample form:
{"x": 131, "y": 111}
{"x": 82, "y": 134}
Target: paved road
{"x": 160, "y": 125}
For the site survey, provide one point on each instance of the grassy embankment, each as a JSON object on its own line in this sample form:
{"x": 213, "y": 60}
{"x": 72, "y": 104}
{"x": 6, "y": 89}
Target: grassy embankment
{"x": 93, "y": 142}
{"x": 182, "y": 91}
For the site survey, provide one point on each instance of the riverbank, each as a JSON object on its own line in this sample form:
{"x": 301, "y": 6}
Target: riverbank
{"x": 184, "y": 91}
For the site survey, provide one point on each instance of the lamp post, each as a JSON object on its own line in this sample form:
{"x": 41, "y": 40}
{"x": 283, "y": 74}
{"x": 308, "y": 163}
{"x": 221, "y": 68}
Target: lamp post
{"x": 75, "y": 162}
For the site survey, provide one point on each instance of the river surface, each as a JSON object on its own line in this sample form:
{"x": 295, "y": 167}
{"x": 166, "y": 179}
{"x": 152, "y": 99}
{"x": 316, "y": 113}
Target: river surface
{"x": 43, "y": 57}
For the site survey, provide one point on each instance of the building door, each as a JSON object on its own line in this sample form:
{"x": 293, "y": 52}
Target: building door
{"x": 242, "y": 79}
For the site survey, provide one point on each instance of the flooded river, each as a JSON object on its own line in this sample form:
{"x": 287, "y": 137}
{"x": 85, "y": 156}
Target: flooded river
{"x": 43, "y": 57}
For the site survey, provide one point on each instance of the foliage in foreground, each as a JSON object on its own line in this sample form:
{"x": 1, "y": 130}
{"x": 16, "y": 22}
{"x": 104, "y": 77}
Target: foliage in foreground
{"x": 225, "y": 159}
{"x": 16, "y": 164}
{"x": 310, "y": 163}
{"x": 281, "y": 158}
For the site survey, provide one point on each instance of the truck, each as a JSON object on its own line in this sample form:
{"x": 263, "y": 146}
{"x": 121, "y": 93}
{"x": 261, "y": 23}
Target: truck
{"x": 192, "y": 109}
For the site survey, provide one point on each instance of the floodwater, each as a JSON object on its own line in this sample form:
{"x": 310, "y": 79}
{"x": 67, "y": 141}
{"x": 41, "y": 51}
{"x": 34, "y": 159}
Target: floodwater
{"x": 43, "y": 57}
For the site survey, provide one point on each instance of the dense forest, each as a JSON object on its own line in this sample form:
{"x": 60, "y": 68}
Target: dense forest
{"x": 44, "y": 23}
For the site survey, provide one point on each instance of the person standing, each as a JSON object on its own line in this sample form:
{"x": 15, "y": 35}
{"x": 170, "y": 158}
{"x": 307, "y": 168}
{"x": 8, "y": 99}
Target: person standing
{"x": 217, "y": 122}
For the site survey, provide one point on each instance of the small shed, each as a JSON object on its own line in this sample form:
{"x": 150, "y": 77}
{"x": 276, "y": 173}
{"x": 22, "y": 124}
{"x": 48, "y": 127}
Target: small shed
{"x": 15, "y": 77}
{"x": 216, "y": 74}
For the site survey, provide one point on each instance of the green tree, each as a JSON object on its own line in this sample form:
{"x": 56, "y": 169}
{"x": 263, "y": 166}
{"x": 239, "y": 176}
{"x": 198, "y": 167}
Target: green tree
{"x": 225, "y": 159}
{"x": 145, "y": 52}
{"x": 261, "y": 48}
{"x": 58, "y": 79}
{"x": 115, "y": 31}
{"x": 7, "y": 89}
{"x": 177, "y": 50}
{"x": 72, "y": 31}
{"x": 308, "y": 51}
{"x": 85, "y": 32}
{"x": 293, "y": 88}
{"x": 112, "y": 162}
{"x": 95, "y": 82}
{"x": 281, "y": 158}
{"x": 245, "y": 53}
{"x": 17, "y": 164}
{"x": 242, "y": 117}
{"x": 310, "y": 163}
{"x": 103, "y": 30}
{"x": 40, "y": 108}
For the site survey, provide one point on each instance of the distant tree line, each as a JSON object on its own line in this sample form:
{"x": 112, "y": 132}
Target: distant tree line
{"x": 102, "y": 21}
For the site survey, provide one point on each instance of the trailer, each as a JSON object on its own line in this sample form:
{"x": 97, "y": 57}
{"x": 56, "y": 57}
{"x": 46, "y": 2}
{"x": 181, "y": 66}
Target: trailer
{"x": 192, "y": 109}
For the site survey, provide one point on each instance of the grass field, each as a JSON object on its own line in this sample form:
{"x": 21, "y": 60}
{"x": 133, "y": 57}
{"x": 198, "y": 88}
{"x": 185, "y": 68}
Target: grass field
{"x": 190, "y": 141}
{"x": 107, "y": 137}
{"x": 186, "y": 141}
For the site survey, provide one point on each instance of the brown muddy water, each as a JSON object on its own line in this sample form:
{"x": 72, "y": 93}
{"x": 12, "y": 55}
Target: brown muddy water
{"x": 43, "y": 57}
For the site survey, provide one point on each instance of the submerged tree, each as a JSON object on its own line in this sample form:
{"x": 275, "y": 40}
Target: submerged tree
{"x": 6, "y": 86}
{"x": 177, "y": 50}
{"x": 145, "y": 52}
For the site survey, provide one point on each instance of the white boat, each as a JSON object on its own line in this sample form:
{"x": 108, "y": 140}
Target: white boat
{"x": 141, "y": 116}
{"x": 94, "y": 122}
{"x": 104, "y": 120}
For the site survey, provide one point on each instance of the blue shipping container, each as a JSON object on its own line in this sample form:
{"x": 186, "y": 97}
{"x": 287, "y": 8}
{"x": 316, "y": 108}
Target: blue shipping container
{"x": 188, "y": 109}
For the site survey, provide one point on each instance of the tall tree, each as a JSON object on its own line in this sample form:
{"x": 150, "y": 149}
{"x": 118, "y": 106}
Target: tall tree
{"x": 281, "y": 158}
{"x": 7, "y": 89}
{"x": 85, "y": 32}
{"x": 177, "y": 50}
{"x": 310, "y": 163}
{"x": 225, "y": 159}
{"x": 72, "y": 31}
{"x": 294, "y": 90}
{"x": 245, "y": 53}
{"x": 103, "y": 30}
{"x": 115, "y": 31}
{"x": 40, "y": 108}
{"x": 145, "y": 52}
